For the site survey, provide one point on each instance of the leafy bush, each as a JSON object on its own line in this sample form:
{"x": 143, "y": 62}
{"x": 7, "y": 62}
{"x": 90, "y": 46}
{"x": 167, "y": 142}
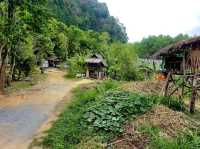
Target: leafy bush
{"x": 76, "y": 65}
{"x": 109, "y": 115}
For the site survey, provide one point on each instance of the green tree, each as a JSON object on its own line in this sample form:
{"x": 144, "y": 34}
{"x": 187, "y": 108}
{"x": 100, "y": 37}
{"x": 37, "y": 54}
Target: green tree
{"x": 61, "y": 46}
{"x": 43, "y": 47}
{"x": 25, "y": 58}
{"x": 148, "y": 46}
{"x": 122, "y": 62}
{"x": 18, "y": 19}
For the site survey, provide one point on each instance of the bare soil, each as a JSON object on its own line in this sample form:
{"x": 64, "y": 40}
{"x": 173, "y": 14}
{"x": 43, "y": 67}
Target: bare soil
{"x": 130, "y": 139}
{"x": 27, "y": 113}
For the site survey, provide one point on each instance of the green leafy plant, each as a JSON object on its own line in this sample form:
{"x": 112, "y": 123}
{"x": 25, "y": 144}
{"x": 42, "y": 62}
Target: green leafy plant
{"x": 109, "y": 115}
{"x": 68, "y": 130}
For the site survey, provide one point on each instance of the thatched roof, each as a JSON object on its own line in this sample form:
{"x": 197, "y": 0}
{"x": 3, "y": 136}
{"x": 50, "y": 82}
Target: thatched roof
{"x": 96, "y": 59}
{"x": 53, "y": 58}
{"x": 178, "y": 47}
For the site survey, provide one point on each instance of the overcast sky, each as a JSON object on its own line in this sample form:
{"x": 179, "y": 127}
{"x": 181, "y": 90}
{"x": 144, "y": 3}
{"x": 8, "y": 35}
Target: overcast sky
{"x": 153, "y": 17}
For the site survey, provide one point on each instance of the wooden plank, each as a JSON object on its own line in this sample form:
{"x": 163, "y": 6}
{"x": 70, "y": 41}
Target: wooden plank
{"x": 176, "y": 89}
{"x": 194, "y": 95}
{"x": 167, "y": 84}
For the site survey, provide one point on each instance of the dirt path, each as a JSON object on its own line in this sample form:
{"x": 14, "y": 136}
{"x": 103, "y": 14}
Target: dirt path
{"x": 22, "y": 114}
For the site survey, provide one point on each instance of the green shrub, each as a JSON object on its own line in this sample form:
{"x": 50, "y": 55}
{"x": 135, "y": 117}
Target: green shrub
{"x": 122, "y": 62}
{"x": 76, "y": 65}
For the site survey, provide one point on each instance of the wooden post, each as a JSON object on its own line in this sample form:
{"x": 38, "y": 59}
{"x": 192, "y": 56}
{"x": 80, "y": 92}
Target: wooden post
{"x": 87, "y": 73}
{"x": 184, "y": 74}
{"x": 154, "y": 66}
{"x": 167, "y": 84}
{"x": 194, "y": 94}
{"x": 100, "y": 76}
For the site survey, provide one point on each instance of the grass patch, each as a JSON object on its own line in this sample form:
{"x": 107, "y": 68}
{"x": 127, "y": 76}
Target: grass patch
{"x": 20, "y": 85}
{"x": 173, "y": 103}
{"x": 69, "y": 76}
{"x": 186, "y": 140}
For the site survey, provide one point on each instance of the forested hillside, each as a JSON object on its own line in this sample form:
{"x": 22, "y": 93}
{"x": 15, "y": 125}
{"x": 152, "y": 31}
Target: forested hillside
{"x": 88, "y": 14}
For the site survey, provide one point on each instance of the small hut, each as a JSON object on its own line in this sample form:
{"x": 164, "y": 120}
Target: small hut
{"x": 96, "y": 67}
{"x": 53, "y": 61}
{"x": 181, "y": 67}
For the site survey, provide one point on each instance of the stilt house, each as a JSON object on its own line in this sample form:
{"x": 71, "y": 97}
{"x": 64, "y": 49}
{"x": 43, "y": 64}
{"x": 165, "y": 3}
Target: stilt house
{"x": 96, "y": 67}
{"x": 181, "y": 66}
{"x": 53, "y": 61}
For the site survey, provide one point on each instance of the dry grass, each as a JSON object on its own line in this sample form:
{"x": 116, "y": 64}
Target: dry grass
{"x": 171, "y": 122}
{"x": 145, "y": 87}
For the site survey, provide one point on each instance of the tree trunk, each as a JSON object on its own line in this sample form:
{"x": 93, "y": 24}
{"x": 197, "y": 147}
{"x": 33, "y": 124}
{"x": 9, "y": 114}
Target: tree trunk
{"x": 10, "y": 76}
{"x": 2, "y": 79}
{"x": 3, "y": 71}
{"x": 5, "y": 50}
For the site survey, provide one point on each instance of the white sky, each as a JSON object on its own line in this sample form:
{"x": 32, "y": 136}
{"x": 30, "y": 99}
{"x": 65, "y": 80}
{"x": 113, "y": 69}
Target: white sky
{"x": 153, "y": 17}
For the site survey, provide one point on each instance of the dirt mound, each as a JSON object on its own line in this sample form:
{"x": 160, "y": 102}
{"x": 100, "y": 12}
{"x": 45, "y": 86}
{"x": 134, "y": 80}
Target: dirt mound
{"x": 171, "y": 123}
{"x": 146, "y": 87}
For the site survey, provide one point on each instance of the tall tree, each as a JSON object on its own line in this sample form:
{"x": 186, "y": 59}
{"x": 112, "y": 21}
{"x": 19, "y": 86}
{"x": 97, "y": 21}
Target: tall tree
{"x": 9, "y": 24}
{"x": 18, "y": 19}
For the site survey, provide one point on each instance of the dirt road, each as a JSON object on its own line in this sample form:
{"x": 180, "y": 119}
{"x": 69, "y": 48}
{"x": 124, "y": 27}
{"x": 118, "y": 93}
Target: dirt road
{"x": 22, "y": 114}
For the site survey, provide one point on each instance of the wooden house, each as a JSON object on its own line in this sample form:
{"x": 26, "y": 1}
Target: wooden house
{"x": 53, "y": 61}
{"x": 96, "y": 67}
{"x": 181, "y": 66}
